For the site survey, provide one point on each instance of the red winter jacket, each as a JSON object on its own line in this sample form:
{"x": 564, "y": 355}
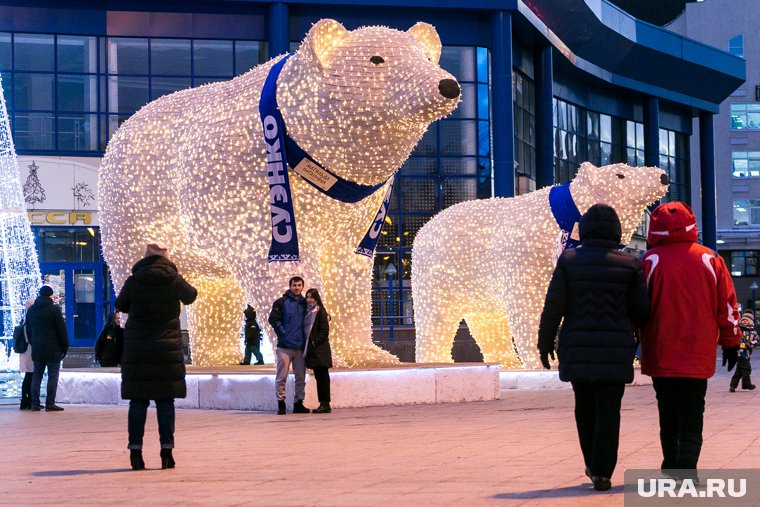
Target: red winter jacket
{"x": 693, "y": 300}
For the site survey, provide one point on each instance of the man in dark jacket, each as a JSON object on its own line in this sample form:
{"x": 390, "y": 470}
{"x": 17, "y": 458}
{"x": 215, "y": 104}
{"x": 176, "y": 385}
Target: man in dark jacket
{"x": 286, "y": 318}
{"x": 152, "y": 364}
{"x": 47, "y": 334}
{"x": 252, "y": 337}
{"x": 600, "y": 293}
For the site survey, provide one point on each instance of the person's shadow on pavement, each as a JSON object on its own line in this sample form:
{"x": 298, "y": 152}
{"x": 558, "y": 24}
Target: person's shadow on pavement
{"x": 584, "y": 489}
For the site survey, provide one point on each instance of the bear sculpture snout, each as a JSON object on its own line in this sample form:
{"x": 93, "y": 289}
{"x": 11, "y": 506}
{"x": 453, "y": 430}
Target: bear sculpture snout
{"x": 664, "y": 179}
{"x": 449, "y": 88}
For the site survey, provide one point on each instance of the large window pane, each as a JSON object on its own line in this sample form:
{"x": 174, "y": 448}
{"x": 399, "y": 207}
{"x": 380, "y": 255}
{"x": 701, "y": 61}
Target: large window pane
{"x": 77, "y": 54}
{"x": 457, "y": 190}
{"x": 114, "y": 122}
{"x": 419, "y": 165}
{"x": 212, "y": 57}
{"x": 77, "y": 92}
{"x": 170, "y": 56}
{"x": 428, "y": 143}
{"x": 33, "y": 131}
{"x": 460, "y": 62}
{"x": 410, "y": 225}
{"x": 127, "y": 94}
{"x": 419, "y": 194}
{"x": 248, "y": 54}
{"x": 165, "y": 85}
{"x": 34, "y": 52}
{"x": 5, "y": 51}
{"x": 127, "y": 56}
{"x": 6, "y": 78}
{"x": 467, "y": 107}
{"x": 77, "y": 132}
{"x": 452, "y": 166}
{"x": 34, "y": 91}
{"x": 458, "y": 137}
{"x": 483, "y": 65}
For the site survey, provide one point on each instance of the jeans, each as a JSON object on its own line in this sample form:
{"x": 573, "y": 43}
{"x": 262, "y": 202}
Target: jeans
{"x": 254, "y": 349}
{"x": 53, "y": 368}
{"x": 597, "y": 418}
{"x": 286, "y": 357}
{"x": 322, "y": 376}
{"x": 138, "y": 413}
{"x": 681, "y": 404}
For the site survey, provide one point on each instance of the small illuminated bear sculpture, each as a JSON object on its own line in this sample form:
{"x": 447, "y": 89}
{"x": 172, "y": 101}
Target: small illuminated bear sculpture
{"x": 191, "y": 169}
{"x": 489, "y": 261}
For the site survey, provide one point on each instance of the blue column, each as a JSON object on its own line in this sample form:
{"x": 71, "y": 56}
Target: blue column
{"x": 707, "y": 178}
{"x": 544, "y": 115}
{"x": 651, "y": 131}
{"x": 279, "y": 33}
{"x": 503, "y": 103}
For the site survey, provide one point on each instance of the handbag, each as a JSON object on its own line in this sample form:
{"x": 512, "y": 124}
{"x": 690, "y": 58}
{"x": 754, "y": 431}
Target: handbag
{"x": 20, "y": 340}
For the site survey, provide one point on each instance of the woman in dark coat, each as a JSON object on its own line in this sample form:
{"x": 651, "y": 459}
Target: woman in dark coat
{"x": 600, "y": 293}
{"x": 316, "y": 327}
{"x": 153, "y": 365}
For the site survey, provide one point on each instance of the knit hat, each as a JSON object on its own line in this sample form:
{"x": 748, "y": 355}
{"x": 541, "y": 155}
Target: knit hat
{"x": 749, "y": 316}
{"x": 46, "y": 291}
{"x": 600, "y": 221}
{"x": 156, "y": 248}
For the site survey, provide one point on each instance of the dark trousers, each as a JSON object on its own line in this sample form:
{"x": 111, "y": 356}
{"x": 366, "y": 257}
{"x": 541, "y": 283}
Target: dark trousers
{"x": 681, "y": 403}
{"x": 255, "y": 349}
{"x": 53, "y": 368}
{"x": 26, "y": 390}
{"x": 597, "y": 417}
{"x": 743, "y": 371}
{"x": 322, "y": 376}
{"x": 138, "y": 413}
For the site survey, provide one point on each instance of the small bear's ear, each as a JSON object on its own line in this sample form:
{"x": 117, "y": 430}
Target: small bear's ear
{"x": 426, "y": 34}
{"x": 323, "y": 37}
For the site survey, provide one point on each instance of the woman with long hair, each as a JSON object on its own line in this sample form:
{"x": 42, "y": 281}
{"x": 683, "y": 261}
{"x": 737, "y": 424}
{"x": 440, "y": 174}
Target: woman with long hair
{"x": 316, "y": 327}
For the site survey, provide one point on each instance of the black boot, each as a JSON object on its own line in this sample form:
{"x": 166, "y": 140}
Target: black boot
{"x": 324, "y": 408}
{"x": 298, "y": 408}
{"x": 167, "y": 460}
{"x": 280, "y": 407}
{"x": 136, "y": 459}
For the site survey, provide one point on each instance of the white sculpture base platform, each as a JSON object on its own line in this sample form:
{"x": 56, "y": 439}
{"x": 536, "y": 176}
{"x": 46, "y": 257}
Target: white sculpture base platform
{"x": 252, "y": 387}
{"x": 546, "y": 379}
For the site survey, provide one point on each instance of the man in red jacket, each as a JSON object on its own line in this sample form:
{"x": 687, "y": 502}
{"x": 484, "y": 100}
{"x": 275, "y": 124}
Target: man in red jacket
{"x": 693, "y": 310}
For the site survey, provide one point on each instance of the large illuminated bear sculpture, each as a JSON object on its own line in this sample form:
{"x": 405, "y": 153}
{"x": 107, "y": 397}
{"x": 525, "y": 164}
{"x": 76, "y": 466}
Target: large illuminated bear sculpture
{"x": 191, "y": 169}
{"x": 489, "y": 261}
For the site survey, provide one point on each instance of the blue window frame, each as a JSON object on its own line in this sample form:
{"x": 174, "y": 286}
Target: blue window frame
{"x": 736, "y": 46}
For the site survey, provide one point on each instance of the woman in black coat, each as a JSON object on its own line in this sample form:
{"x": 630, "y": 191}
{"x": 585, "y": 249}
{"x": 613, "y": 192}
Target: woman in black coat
{"x": 316, "y": 327}
{"x": 600, "y": 293}
{"x": 153, "y": 364}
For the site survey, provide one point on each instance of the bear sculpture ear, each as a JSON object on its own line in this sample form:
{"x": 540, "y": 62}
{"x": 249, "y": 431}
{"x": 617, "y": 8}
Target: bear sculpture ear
{"x": 323, "y": 37}
{"x": 426, "y": 34}
{"x": 588, "y": 173}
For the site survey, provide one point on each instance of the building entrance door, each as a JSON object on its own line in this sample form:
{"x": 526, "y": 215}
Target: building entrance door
{"x": 78, "y": 292}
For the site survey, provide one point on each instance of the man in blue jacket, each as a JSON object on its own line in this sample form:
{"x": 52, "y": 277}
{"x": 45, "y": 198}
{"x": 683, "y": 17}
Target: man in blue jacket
{"x": 286, "y": 318}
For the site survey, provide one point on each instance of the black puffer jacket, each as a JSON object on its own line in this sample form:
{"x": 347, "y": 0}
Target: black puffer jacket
{"x": 152, "y": 365}
{"x": 47, "y": 331}
{"x": 319, "y": 354}
{"x": 600, "y": 293}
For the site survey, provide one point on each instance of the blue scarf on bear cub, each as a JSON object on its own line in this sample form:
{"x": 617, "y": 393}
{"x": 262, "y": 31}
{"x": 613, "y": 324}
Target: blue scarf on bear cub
{"x": 284, "y": 246}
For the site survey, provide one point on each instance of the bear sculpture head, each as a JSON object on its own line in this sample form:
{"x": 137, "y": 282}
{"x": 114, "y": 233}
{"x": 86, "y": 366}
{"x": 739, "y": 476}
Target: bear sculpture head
{"x": 359, "y": 101}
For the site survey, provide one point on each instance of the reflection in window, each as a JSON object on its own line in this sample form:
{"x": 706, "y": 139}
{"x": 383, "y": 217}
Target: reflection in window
{"x": 744, "y": 263}
{"x": 745, "y": 164}
{"x": 746, "y": 212}
{"x": 77, "y": 54}
{"x": 34, "y": 91}
{"x": 62, "y": 244}
{"x": 34, "y": 52}
{"x": 77, "y": 92}
{"x": 212, "y": 57}
{"x": 170, "y": 57}
{"x": 745, "y": 116}
{"x": 736, "y": 46}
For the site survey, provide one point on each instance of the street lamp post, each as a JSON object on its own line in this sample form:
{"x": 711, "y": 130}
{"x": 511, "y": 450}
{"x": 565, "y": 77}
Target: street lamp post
{"x": 390, "y": 270}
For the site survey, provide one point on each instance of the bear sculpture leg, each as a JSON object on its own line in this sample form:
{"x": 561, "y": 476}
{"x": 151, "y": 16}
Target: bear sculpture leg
{"x": 435, "y": 335}
{"x": 214, "y": 321}
{"x": 490, "y": 329}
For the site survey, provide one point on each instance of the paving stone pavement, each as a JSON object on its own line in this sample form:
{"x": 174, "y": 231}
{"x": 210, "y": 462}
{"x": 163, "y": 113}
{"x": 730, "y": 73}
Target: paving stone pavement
{"x": 520, "y": 450}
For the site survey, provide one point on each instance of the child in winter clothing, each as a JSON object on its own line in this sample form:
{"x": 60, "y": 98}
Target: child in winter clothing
{"x": 748, "y": 342}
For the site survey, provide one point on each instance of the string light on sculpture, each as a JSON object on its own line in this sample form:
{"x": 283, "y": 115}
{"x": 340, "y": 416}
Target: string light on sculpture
{"x": 19, "y": 268}
{"x": 489, "y": 261}
{"x": 191, "y": 169}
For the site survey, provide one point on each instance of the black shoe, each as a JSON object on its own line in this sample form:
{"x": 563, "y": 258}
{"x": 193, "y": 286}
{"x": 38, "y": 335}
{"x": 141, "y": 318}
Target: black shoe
{"x": 280, "y": 407}
{"x": 750, "y": 387}
{"x": 298, "y": 408}
{"x": 601, "y": 483}
{"x": 324, "y": 408}
{"x": 243, "y": 363}
{"x": 53, "y": 408}
{"x": 136, "y": 459}
{"x": 167, "y": 460}
{"x": 732, "y": 389}
{"x": 35, "y": 408}
{"x": 25, "y": 406}
{"x": 258, "y": 362}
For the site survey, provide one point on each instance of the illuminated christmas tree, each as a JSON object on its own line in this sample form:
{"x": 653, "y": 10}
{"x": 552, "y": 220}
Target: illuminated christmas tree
{"x": 19, "y": 268}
